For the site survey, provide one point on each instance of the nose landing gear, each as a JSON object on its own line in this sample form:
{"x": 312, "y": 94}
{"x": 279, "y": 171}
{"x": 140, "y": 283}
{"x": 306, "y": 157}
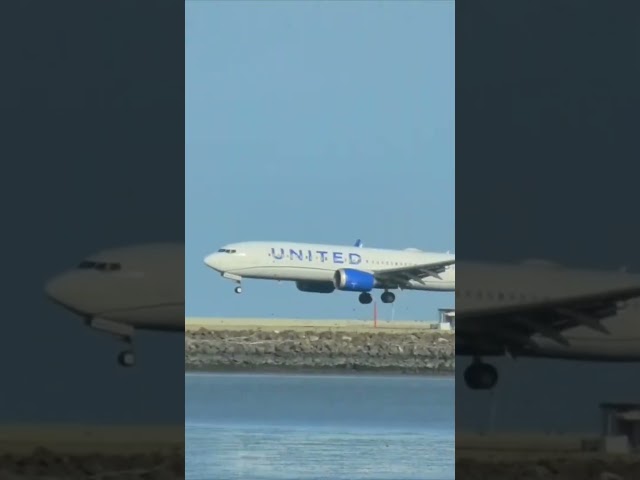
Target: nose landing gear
{"x": 127, "y": 358}
{"x": 480, "y": 375}
{"x": 235, "y": 278}
{"x": 121, "y": 331}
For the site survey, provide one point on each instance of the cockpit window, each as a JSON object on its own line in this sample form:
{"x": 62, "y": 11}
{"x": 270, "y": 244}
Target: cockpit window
{"x": 102, "y": 266}
{"x": 226, "y": 250}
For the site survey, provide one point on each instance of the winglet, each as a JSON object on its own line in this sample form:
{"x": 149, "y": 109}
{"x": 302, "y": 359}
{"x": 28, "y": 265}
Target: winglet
{"x": 358, "y": 243}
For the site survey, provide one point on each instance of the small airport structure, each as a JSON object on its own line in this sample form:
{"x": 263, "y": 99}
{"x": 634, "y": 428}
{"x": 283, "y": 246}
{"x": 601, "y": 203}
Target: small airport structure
{"x": 620, "y": 427}
{"x": 619, "y": 435}
{"x": 446, "y": 319}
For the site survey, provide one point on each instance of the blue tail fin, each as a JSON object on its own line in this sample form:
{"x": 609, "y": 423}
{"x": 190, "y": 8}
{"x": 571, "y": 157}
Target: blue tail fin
{"x": 358, "y": 243}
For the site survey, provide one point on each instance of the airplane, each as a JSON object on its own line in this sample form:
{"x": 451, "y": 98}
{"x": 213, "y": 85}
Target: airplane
{"x": 544, "y": 310}
{"x": 121, "y": 290}
{"x": 322, "y": 268}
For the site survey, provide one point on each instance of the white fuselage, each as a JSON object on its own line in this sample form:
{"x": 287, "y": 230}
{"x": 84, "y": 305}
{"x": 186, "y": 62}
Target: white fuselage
{"x": 306, "y": 262}
{"x": 490, "y": 288}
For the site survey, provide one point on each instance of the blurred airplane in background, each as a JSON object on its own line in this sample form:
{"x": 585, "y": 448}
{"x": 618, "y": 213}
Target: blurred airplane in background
{"x": 123, "y": 289}
{"x": 539, "y": 309}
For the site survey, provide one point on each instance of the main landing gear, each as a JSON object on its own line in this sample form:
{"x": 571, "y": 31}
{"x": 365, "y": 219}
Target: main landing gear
{"x": 238, "y": 289}
{"x": 387, "y": 297}
{"x": 365, "y": 298}
{"x": 480, "y": 375}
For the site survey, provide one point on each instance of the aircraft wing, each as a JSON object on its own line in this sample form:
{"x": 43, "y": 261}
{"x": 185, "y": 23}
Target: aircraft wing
{"x": 511, "y": 328}
{"x": 402, "y": 275}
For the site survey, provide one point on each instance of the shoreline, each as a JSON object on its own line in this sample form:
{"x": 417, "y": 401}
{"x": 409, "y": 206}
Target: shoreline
{"x": 327, "y": 371}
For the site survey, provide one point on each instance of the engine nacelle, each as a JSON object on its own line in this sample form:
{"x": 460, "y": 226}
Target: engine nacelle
{"x": 316, "y": 287}
{"x": 350, "y": 280}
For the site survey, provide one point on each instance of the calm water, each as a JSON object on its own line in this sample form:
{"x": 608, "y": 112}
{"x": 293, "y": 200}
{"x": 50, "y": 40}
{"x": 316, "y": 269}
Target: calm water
{"x": 259, "y": 427}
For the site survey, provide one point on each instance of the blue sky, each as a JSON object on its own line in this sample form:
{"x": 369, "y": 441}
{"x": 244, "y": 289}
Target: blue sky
{"x": 317, "y": 122}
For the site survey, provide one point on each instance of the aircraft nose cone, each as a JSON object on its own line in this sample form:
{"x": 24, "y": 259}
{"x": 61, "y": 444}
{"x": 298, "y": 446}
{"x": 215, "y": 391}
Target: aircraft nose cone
{"x": 76, "y": 293}
{"x": 57, "y": 289}
{"x": 213, "y": 261}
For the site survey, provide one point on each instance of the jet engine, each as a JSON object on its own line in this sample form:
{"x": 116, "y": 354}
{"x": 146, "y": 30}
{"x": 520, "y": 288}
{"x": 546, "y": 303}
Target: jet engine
{"x": 316, "y": 287}
{"x": 350, "y": 280}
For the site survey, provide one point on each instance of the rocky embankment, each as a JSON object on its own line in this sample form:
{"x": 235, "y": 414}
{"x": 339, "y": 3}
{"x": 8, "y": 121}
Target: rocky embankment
{"x": 43, "y": 463}
{"x": 424, "y": 351}
{"x": 623, "y": 468}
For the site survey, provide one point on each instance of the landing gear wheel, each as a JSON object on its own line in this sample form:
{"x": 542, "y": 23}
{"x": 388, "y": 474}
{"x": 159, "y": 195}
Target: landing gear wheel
{"x": 481, "y": 376}
{"x": 238, "y": 289}
{"x": 127, "y": 358}
{"x": 388, "y": 297}
{"x": 365, "y": 298}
